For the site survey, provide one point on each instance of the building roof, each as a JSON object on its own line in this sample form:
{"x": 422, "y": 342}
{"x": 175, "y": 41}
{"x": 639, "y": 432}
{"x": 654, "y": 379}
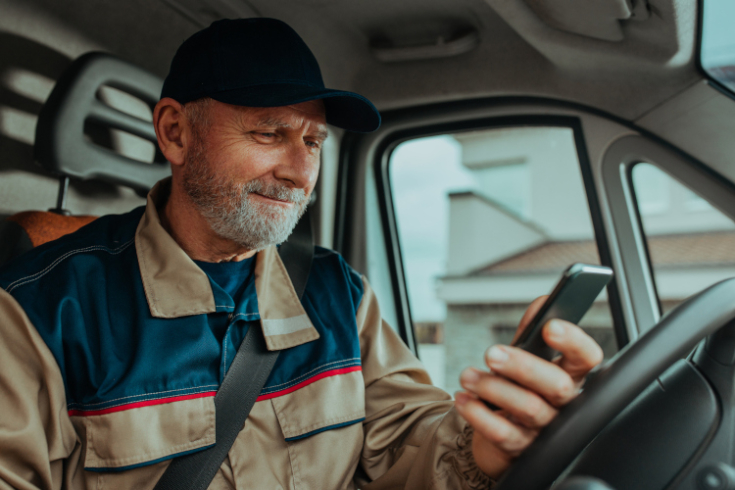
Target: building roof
{"x": 667, "y": 251}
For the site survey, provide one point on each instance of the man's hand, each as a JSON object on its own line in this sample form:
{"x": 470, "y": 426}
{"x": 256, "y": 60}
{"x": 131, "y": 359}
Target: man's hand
{"x": 527, "y": 389}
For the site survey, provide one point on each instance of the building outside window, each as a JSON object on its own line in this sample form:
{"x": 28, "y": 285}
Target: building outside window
{"x": 488, "y": 220}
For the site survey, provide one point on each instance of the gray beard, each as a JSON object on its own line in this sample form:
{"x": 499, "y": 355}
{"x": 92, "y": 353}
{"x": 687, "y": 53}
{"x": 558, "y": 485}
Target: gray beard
{"x": 233, "y": 215}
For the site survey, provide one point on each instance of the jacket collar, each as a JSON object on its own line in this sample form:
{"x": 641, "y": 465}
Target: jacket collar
{"x": 175, "y": 286}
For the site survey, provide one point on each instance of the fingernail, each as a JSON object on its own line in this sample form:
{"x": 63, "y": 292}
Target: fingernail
{"x": 469, "y": 378}
{"x": 556, "y": 329}
{"x": 461, "y": 398}
{"x": 496, "y": 356}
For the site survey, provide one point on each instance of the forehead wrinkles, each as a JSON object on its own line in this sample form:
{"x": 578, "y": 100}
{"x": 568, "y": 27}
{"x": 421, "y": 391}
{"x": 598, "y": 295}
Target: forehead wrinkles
{"x": 293, "y": 121}
{"x": 280, "y": 122}
{"x": 294, "y": 115}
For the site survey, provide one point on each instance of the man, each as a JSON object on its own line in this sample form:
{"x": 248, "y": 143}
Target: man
{"x": 115, "y": 339}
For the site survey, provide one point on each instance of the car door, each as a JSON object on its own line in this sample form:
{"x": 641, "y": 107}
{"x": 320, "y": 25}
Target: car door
{"x": 460, "y": 214}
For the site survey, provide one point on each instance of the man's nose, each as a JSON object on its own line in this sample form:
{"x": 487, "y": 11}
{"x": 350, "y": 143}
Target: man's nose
{"x": 300, "y": 167}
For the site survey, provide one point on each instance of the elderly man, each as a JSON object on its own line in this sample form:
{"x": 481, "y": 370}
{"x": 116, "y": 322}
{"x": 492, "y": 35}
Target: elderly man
{"x": 115, "y": 339}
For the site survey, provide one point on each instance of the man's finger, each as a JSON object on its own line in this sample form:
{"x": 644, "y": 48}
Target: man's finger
{"x": 524, "y": 406}
{"x": 540, "y": 376}
{"x": 529, "y": 314}
{"x": 503, "y": 433}
{"x": 580, "y": 353}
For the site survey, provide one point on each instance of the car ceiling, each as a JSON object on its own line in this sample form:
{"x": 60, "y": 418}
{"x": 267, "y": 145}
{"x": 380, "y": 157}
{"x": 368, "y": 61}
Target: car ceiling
{"x": 519, "y": 52}
{"x": 592, "y": 52}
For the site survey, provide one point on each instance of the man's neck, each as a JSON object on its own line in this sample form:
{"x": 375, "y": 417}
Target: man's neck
{"x": 180, "y": 218}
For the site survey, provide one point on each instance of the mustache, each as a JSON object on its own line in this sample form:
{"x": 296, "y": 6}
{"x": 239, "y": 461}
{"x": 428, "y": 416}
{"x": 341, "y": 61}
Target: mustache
{"x": 275, "y": 191}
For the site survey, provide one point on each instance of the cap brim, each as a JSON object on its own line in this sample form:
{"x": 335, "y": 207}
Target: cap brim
{"x": 346, "y": 110}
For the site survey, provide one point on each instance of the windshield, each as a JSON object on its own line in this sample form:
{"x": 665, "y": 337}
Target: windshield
{"x": 717, "y": 52}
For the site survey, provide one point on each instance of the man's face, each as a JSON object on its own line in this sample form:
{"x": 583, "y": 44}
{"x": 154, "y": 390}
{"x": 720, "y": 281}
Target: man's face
{"x": 251, "y": 171}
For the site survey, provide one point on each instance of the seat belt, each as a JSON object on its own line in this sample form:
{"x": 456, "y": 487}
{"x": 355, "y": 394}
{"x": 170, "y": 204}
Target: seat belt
{"x": 244, "y": 380}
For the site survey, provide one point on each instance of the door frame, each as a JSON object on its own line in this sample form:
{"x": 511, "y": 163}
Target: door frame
{"x": 636, "y": 267}
{"x": 364, "y": 160}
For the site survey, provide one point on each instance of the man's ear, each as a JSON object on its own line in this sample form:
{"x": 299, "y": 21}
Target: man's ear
{"x": 172, "y": 130}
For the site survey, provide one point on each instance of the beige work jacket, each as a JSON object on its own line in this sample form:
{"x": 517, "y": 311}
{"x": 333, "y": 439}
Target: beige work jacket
{"x": 411, "y": 436}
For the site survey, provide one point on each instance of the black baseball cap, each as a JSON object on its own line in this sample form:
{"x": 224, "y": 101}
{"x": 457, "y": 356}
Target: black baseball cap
{"x": 260, "y": 62}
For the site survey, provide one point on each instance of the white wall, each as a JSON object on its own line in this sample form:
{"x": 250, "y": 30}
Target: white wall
{"x": 558, "y": 202}
{"x": 481, "y": 233}
{"x": 678, "y": 284}
{"x": 478, "y": 290}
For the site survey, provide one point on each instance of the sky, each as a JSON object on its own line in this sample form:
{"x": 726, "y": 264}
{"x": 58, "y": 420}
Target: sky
{"x": 423, "y": 172}
{"x": 718, "y": 37}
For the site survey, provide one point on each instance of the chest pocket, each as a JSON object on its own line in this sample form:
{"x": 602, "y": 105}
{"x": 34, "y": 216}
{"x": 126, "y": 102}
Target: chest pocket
{"x": 329, "y": 402}
{"x": 144, "y": 435}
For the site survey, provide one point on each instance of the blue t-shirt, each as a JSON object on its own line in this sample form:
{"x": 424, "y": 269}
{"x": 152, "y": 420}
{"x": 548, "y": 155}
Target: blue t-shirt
{"x": 236, "y": 279}
{"x": 233, "y": 277}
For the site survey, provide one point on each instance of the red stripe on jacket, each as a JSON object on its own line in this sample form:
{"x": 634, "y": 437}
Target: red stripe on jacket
{"x": 325, "y": 374}
{"x": 162, "y": 401}
{"x": 145, "y": 403}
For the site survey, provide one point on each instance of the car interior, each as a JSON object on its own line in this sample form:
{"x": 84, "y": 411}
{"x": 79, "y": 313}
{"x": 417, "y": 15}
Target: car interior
{"x": 518, "y": 137}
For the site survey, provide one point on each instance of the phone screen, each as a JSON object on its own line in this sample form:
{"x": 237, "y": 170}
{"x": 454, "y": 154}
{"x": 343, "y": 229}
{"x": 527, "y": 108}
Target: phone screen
{"x": 573, "y": 295}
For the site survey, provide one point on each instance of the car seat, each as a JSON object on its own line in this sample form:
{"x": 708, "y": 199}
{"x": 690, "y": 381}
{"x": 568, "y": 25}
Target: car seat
{"x": 64, "y": 147}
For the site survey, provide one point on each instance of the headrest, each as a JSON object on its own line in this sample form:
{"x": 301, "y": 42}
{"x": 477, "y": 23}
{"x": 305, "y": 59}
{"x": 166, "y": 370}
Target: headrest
{"x": 43, "y": 227}
{"x": 23, "y": 231}
{"x": 61, "y": 146}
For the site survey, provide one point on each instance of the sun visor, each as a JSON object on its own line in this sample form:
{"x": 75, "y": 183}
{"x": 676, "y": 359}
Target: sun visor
{"x": 599, "y": 19}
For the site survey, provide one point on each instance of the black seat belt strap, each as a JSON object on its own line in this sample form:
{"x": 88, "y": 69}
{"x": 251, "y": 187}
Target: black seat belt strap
{"x": 244, "y": 380}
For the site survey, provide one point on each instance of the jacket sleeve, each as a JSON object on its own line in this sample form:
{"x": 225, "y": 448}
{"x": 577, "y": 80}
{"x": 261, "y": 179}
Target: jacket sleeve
{"x": 414, "y": 438}
{"x": 36, "y": 434}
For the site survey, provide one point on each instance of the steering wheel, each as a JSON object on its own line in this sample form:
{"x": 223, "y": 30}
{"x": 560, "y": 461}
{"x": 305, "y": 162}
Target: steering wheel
{"x": 617, "y": 384}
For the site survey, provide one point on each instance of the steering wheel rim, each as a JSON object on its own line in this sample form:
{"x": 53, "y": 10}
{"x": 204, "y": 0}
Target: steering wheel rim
{"x": 617, "y": 384}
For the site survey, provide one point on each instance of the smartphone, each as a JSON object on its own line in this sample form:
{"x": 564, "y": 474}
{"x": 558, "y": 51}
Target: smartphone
{"x": 573, "y": 295}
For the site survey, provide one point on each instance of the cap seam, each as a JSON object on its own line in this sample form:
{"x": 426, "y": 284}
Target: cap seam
{"x": 212, "y": 65}
{"x": 296, "y": 81}
{"x": 303, "y": 66}
{"x": 326, "y": 91}
{"x": 209, "y": 93}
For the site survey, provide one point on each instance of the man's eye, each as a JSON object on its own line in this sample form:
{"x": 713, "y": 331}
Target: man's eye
{"x": 312, "y": 144}
{"x": 268, "y": 135}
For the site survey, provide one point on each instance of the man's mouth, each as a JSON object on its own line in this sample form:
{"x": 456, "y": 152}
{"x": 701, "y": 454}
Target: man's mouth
{"x": 273, "y": 199}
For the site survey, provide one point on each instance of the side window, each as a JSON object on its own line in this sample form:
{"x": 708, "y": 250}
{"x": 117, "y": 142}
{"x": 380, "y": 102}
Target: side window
{"x": 691, "y": 245}
{"x": 487, "y": 221}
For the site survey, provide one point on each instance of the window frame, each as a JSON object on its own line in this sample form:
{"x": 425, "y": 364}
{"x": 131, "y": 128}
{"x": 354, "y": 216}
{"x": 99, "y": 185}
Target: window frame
{"x": 381, "y": 149}
{"x": 617, "y": 175}
{"x": 634, "y": 201}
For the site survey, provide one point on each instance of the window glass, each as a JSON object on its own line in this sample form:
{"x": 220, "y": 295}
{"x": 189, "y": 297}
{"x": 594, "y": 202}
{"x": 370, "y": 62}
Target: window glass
{"x": 487, "y": 221}
{"x": 717, "y": 53}
{"x": 691, "y": 244}
{"x": 509, "y": 184}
